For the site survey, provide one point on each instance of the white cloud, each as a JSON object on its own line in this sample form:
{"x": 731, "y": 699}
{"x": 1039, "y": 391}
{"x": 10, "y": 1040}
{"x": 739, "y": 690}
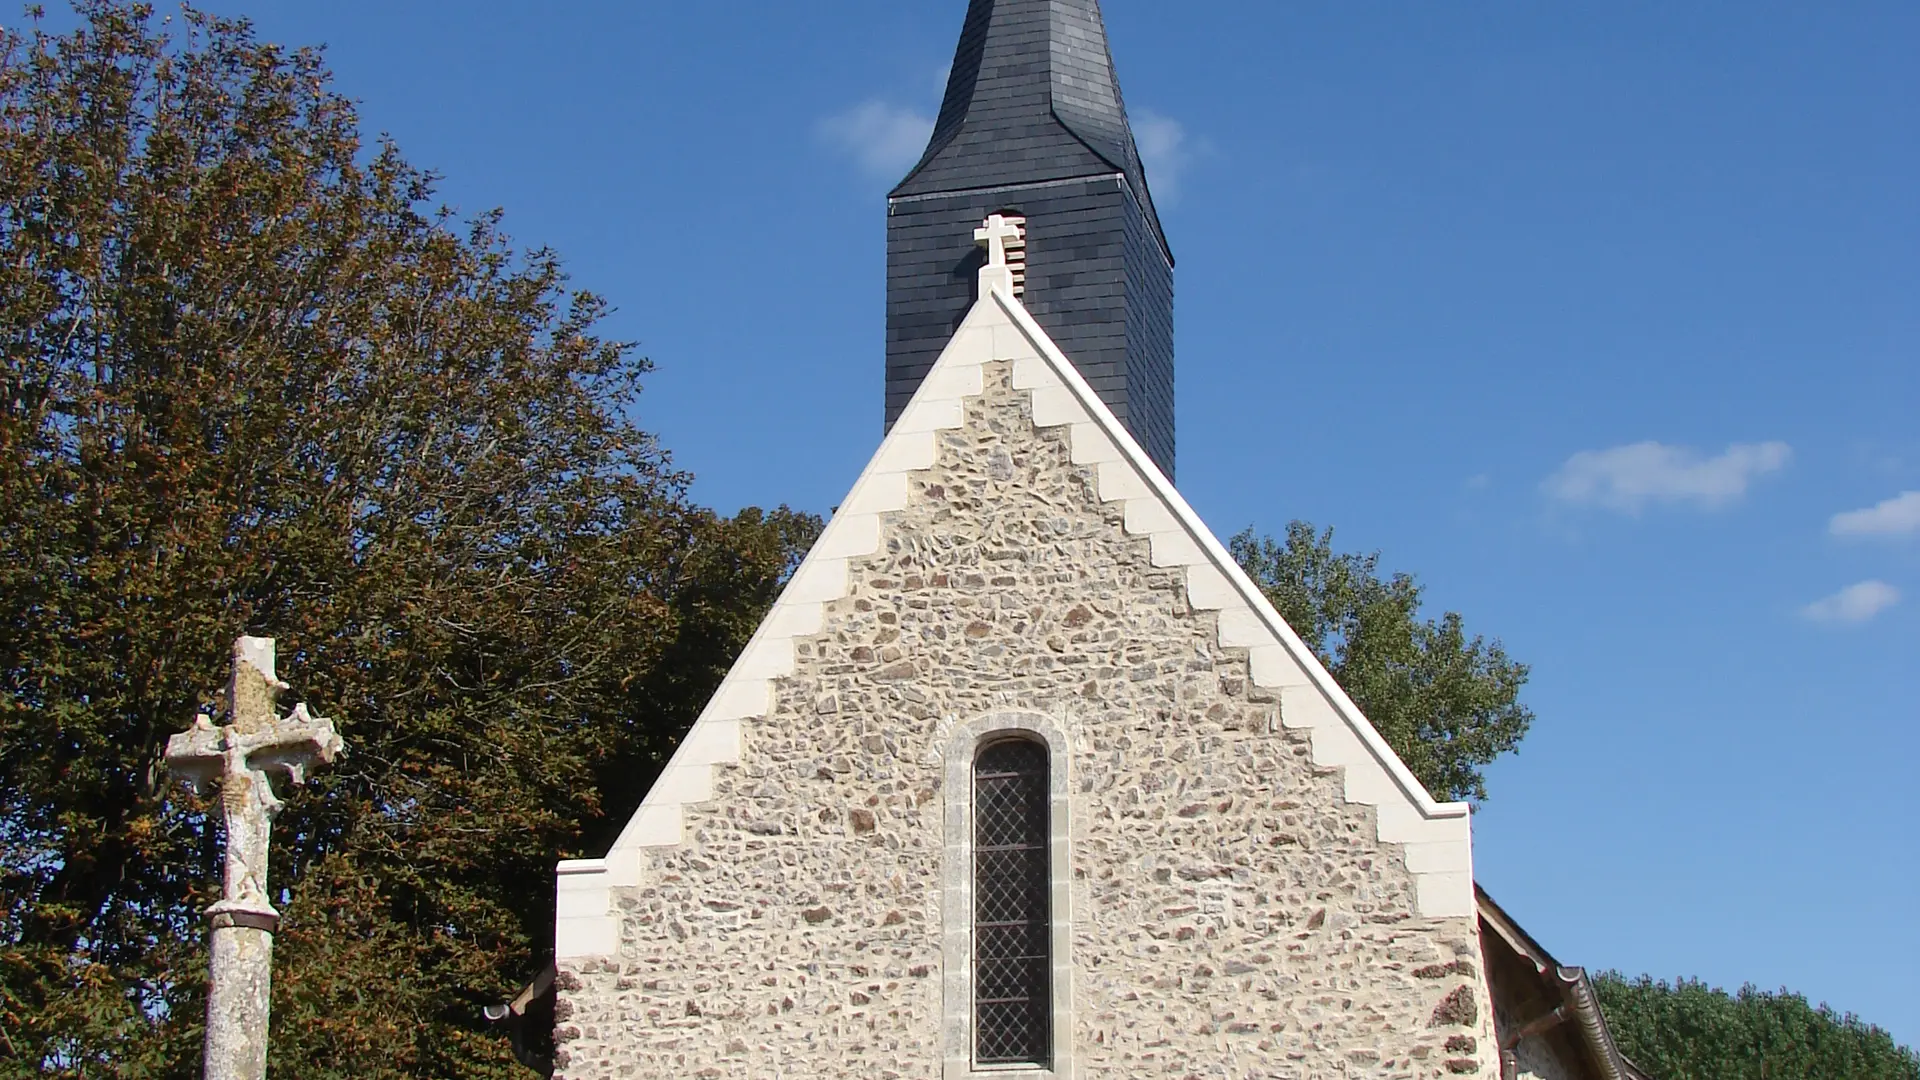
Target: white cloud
{"x": 1165, "y": 151}
{"x": 1627, "y": 478}
{"x": 1854, "y": 604}
{"x": 1898, "y": 516}
{"x": 883, "y": 139}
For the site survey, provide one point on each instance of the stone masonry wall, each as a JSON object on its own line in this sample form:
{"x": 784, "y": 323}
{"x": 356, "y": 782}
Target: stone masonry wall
{"x": 1232, "y": 916}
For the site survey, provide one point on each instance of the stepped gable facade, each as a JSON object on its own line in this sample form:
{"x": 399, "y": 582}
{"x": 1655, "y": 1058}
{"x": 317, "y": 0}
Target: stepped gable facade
{"x": 1233, "y": 866}
{"x": 1022, "y": 775}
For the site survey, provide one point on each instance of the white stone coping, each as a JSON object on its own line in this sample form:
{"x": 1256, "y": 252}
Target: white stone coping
{"x": 1438, "y": 835}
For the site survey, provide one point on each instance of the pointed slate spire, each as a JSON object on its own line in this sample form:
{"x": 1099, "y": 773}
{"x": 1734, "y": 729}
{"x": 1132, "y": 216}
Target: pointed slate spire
{"x": 1032, "y": 98}
{"x": 1034, "y": 126}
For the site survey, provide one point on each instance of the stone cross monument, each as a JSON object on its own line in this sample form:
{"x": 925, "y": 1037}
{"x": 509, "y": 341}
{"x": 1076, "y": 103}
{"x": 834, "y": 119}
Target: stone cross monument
{"x": 240, "y": 761}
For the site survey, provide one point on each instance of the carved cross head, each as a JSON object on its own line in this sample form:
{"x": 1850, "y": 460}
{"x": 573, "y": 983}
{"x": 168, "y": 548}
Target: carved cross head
{"x": 997, "y": 234}
{"x": 258, "y": 745}
{"x": 1005, "y": 238}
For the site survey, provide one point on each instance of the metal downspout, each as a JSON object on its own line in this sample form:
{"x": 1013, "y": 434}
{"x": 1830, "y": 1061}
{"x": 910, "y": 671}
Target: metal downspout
{"x": 1510, "y": 1046}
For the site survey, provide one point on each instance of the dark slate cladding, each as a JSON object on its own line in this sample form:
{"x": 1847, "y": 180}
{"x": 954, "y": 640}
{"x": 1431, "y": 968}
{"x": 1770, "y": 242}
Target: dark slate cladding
{"x": 1033, "y": 96}
{"x": 1033, "y": 123}
{"x": 1096, "y": 281}
{"x": 1149, "y": 347}
{"x": 1086, "y": 97}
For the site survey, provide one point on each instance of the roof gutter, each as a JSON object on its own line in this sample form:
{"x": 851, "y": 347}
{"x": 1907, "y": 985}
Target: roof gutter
{"x": 1578, "y": 1003}
{"x": 1578, "y": 1006}
{"x": 1576, "y": 990}
{"x": 513, "y": 1014}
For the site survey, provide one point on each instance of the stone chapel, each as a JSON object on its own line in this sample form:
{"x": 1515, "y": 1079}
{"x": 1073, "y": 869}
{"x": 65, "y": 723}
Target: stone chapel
{"x": 1022, "y": 776}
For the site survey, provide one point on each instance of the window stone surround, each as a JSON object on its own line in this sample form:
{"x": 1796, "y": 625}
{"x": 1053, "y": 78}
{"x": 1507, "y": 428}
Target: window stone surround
{"x": 956, "y": 894}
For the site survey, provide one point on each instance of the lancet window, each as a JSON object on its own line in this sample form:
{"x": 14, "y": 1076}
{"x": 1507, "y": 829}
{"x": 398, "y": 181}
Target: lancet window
{"x": 1012, "y": 924}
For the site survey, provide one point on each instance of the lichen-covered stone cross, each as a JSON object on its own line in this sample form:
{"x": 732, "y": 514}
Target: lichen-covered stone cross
{"x": 240, "y": 761}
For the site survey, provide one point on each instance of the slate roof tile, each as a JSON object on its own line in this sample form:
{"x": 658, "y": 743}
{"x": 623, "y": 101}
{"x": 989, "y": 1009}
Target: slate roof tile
{"x": 1032, "y": 97}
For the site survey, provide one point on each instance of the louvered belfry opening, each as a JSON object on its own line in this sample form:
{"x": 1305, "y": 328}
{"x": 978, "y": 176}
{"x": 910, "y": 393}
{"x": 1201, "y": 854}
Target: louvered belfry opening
{"x": 1012, "y": 925}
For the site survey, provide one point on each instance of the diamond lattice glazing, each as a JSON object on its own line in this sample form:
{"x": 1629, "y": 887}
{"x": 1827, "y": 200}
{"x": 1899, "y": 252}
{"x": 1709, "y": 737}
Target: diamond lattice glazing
{"x": 1011, "y": 931}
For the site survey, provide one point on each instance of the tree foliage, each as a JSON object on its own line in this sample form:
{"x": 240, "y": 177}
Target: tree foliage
{"x": 1447, "y": 704}
{"x": 254, "y": 383}
{"x": 1687, "y": 1030}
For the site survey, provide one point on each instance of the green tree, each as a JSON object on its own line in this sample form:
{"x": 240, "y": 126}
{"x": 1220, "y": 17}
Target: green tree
{"x": 1447, "y": 704}
{"x": 1687, "y": 1030}
{"x": 255, "y": 382}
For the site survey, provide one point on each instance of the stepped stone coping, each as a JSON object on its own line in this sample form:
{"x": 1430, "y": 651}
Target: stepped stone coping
{"x": 1436, "y": 837}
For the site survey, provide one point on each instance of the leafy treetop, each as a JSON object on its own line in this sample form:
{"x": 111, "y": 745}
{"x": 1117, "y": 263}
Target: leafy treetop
{"x": 254, "y": 382}
{"x": 1448, "y": 704}
{"x": 1687, "y": 1030}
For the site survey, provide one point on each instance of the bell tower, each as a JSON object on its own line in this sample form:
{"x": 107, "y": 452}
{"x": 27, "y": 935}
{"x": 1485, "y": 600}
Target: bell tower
{"x": 1033, "y": 128}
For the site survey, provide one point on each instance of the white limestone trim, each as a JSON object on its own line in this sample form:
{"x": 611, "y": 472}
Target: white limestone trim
{"x": 1000, "y": 329}
{"x": 587, "y": 924}
{"x": 1437, "y": 836}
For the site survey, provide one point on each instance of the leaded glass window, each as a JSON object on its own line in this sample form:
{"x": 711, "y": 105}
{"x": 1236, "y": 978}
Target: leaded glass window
{"x": 1012, "y": 925}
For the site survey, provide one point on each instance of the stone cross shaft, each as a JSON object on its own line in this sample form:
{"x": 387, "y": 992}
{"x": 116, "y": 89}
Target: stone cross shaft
{"x": 241, "y": 761}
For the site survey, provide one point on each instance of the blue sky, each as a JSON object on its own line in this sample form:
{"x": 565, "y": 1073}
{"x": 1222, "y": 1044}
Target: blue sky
{"x": 1601, "y": 318}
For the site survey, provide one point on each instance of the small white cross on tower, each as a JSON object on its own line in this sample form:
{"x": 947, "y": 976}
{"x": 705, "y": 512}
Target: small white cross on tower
{"x": 1005, "y": 239}
{"x": 241, "y": 761}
